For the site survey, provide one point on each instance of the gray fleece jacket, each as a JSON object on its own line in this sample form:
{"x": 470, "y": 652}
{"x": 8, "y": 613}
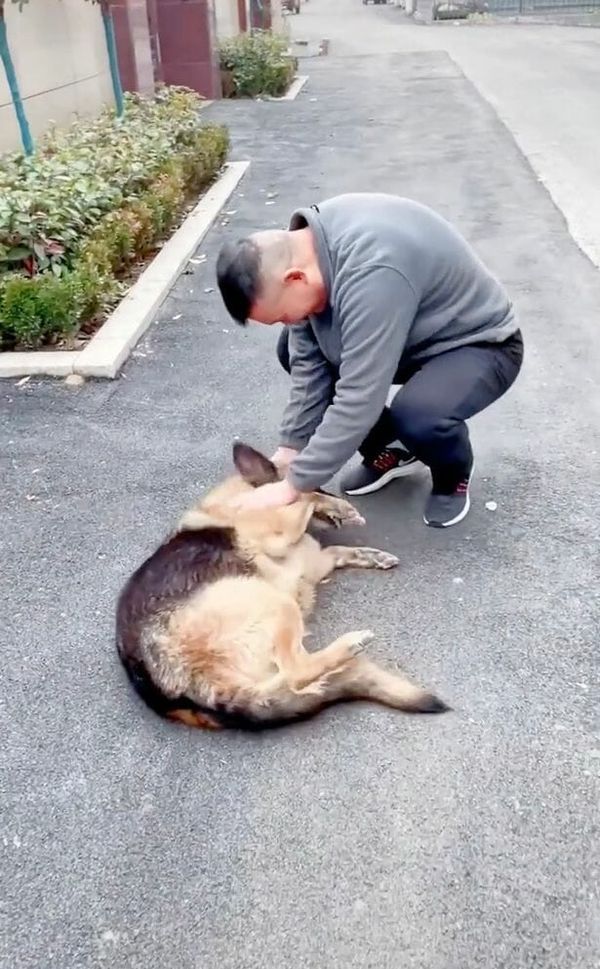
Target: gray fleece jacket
{"x": 403, "y": 286}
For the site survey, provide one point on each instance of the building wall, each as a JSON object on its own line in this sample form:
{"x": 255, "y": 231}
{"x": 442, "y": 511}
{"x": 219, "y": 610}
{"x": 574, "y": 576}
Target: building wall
{"x": 188, "y": 45}
{"x": 279, "y": 23}
{"x": 131, "y": 20}
{"x": 60, "y": 58}
{"x": 228, "y": 24}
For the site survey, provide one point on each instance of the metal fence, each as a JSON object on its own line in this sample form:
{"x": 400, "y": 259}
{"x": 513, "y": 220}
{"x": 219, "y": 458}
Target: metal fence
{"x": 542, "y": 6}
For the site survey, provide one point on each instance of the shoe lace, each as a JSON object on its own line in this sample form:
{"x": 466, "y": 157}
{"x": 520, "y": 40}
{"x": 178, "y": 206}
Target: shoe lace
{"x": 385, "y": 460}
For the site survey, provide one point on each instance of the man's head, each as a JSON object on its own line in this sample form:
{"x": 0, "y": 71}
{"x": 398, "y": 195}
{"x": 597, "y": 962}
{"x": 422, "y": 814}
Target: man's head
{"x": 271, "y": 277}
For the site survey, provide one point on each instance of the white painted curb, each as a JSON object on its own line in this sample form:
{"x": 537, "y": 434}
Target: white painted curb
{"x": 114, "y": 341}
{"x": 293, "y": 91}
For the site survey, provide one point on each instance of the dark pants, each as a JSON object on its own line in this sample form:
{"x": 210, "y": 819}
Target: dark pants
{"x": 428, "y": 413}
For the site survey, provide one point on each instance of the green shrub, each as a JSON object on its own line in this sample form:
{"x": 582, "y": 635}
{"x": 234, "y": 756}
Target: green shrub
{"x": 256, "y": 63}
{"x": 35, "y": 309}
{"x": 94, "y": 199}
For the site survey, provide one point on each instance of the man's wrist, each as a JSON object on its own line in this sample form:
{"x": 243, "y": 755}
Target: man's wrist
{"x": 292, "y": 444}
{"x": 291, "y": 491}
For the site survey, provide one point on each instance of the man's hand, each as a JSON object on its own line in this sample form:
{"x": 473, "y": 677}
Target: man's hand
{"x": 267, "y": 496}
{"x": 283, "y": 457}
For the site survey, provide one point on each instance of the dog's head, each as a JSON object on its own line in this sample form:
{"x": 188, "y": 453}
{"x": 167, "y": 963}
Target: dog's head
{"x": 253, "y": 468}
{"x": 269, "y": 530}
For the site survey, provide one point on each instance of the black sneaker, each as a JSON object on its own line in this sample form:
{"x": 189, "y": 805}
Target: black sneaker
{"x": 391, "y": 463}
{"x": 443, "y": 510}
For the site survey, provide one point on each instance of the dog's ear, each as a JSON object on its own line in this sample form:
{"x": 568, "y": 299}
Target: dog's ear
{"x": 254, "y": 467}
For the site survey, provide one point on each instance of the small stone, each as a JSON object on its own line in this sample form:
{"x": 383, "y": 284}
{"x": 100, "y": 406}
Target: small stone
{"x": 177, "y": 317}
{"x": 74, "y": 380}
{"x": 491, "y": 505}
{"x": 457, "y": 580}
{"x": 209, "y": 289}
{"x": 23, "y": 381}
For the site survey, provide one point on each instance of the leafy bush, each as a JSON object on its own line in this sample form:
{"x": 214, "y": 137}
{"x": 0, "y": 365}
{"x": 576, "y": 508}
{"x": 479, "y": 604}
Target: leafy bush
{"x": 256, "y": 63}
{"x": 95, "y": 198}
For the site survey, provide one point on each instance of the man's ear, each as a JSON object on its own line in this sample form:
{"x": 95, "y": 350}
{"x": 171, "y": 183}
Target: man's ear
{"x": 254, "y": 467}
{"x": 293, "y": 275}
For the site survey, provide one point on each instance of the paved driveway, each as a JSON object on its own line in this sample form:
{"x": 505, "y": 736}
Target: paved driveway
{"x": 364, "y": 838}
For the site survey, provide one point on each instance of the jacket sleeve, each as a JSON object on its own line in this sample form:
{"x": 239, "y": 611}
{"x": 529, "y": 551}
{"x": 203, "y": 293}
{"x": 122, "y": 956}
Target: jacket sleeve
{"x": 376, "y": 308}
{"x": 312, "y": 388}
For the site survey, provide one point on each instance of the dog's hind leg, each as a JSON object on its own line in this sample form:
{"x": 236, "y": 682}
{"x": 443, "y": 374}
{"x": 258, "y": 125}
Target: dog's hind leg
{"x": 306, "y": 682}
{"x": 358, "y": 679}
{"x": 302, "y": 669}
{"x": 361, "y": 558}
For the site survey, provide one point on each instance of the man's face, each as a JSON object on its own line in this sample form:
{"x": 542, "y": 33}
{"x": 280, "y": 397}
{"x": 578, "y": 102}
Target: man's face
{"x": 288, "y": 300}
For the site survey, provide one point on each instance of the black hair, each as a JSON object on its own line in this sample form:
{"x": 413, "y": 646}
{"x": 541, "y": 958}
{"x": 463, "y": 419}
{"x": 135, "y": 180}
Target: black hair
{"x": 238, "y": 276}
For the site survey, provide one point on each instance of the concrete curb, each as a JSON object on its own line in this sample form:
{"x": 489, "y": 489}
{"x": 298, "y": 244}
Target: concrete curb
{"x": 294, "y": 89}
{"x": 114, "y": 341}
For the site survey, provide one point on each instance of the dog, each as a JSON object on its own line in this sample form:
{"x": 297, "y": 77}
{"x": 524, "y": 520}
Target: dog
{"x": 210, "y": 628}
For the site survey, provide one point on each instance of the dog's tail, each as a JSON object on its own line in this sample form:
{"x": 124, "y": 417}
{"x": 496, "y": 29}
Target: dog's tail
{"x": 365, "y": 680}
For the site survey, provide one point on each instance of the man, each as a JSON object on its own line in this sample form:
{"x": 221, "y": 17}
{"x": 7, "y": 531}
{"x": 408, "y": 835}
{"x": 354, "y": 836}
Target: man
{"x": 374, "y": 291}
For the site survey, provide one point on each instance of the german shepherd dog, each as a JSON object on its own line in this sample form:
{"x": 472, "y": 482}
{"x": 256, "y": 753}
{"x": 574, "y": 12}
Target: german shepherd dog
{"x": 210, "y": 628}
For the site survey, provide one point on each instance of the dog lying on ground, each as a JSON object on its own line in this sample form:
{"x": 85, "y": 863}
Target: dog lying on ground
{"x": 210, "y": 628}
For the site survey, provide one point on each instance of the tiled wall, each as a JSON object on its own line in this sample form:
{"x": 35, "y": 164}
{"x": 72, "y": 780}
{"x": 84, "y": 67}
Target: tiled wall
{"x": 59, "y": 52}
{"x": 132, "y": 31}
{"x": 188, "y": 46}
{"x": 228, "y": 21}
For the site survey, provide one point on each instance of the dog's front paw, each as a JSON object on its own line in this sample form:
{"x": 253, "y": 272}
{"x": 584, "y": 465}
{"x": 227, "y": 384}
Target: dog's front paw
{"x": 357, "y": 642}
{"x": 338, "y": 512}
{"x": 351, "y": 515}
{"x": 383, "y": 560}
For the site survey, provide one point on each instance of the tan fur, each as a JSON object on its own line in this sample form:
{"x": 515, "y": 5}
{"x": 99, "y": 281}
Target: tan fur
{"x": 192, "y": 718}
{"x": 237, "y": 644}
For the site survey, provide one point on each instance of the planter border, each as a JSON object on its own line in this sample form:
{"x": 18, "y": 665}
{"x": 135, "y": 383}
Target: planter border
{"x": 293, "y": 91}
{"x": 111, "y": 345}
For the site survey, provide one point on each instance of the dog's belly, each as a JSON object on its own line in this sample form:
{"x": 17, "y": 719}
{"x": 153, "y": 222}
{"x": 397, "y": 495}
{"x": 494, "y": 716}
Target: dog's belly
{"x": 225, "y": 633}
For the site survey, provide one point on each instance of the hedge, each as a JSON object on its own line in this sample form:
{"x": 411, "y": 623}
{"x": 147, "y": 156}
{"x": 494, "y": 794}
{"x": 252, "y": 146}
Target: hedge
{"x": 255, "y": 64}
{"x": 94, "y": 199}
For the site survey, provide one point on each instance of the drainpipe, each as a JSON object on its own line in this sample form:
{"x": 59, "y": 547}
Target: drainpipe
{"x": 13, "y": 86}
{"x": 111, "y": 46}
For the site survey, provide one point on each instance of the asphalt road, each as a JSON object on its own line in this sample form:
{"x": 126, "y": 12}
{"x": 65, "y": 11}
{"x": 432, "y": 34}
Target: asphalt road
{"x": 364, "y": 839}
{"x": 541, "y": 79}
